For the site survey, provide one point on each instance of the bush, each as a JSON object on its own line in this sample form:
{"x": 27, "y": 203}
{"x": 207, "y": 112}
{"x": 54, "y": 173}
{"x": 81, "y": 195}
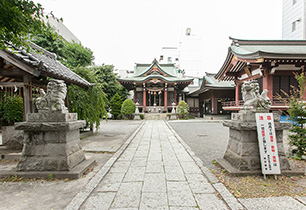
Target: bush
{"x": 183, "y": 110}
{"x": 115, "y": 105}
{"x": 128, "y": 108}
{"x": 12, "y": 110}
{"x": 297, "y": 114}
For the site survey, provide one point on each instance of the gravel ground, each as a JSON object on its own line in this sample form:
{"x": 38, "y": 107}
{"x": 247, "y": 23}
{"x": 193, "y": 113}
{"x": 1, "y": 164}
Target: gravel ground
{"x": 207, "y": 140}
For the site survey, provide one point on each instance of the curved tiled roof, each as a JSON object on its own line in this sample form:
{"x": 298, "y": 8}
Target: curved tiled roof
{"x": 46, "y": 64}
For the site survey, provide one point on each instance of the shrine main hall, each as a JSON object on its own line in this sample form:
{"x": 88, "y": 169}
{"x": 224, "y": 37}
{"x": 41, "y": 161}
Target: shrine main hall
{"x": 156, "y": 86}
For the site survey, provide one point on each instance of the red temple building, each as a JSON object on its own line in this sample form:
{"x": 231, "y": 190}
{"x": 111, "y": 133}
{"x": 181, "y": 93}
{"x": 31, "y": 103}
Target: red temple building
{"x": 271, "y": 62}
{"x": 156, "y": 86}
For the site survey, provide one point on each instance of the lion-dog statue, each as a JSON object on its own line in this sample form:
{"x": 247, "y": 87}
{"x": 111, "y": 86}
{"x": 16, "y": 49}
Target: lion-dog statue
{"x": 54, "y": 98}
{"x": 251, "y": 97}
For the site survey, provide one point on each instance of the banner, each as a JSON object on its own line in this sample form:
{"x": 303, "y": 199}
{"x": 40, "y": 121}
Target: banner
{"x": 267, "y": 143}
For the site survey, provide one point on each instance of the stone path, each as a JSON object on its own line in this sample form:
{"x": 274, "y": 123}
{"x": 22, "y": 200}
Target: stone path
{"x": 154, "y": 172}
{"x": 155, "y": 169}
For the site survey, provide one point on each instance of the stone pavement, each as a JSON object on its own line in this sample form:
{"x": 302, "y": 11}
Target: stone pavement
{"x": 156, "y": 170}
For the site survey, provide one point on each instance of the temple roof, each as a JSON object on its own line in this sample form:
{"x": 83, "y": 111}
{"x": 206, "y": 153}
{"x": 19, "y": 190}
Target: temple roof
{"x": 155, "y": 70}
{"x": 167, "y": 69}
{"x": 44, "y": 63}
{"x": 211, "y": 83}
{"x": 241, "y": 52}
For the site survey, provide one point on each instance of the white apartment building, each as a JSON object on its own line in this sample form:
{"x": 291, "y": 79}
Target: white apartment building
{"x": 294, "y": 15}
{"x": 187, "y": 56}
{"x": 61, "y": 29}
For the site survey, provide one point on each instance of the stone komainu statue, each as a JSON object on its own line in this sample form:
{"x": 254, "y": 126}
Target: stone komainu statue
{"x": 251, "y": 97}
{"x": 54, "y": 98}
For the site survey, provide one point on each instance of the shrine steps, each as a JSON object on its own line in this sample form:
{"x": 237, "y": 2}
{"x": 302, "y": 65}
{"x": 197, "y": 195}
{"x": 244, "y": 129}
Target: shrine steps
{"x": 155, "y": 116}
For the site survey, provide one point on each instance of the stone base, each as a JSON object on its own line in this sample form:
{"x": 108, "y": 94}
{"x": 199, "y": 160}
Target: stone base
{"x": 137, "y": 117}
{"x": 242, "y": 153}
{"x": 173, "y": 116}
{"x": 51, "y": 146}
{"x": 74, "y": 173}
{"x": 234, "y": 171}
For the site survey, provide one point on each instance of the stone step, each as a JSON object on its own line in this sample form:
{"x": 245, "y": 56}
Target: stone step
{"x": 155, "y": 116}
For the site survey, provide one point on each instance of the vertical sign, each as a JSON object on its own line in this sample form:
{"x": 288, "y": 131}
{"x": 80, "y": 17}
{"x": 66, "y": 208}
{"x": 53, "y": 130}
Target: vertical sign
{"x": 267, "y": 143}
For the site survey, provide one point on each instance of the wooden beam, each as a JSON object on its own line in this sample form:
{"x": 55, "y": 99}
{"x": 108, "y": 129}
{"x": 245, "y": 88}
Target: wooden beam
{"x": 4, "y": 79}
{"x": 17, "y": 62}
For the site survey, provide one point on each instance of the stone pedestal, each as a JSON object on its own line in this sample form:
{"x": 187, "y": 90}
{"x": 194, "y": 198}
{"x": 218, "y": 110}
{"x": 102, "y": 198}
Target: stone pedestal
{"x": 242, "y": 154}
{"x": 51, "y": 142}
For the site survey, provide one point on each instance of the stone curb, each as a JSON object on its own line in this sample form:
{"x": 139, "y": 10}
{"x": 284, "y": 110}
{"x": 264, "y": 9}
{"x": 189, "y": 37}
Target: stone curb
{"x": 229, "y": 199}
{"x": 80, "y": 198}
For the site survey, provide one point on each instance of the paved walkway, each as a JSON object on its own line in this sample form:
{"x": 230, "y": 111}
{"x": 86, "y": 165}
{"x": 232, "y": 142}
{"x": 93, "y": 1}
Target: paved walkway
{"x": 154, "y": 172}
{"x": 155, "y": 169}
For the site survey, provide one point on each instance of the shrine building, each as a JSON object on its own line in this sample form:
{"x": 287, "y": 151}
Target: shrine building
{"x": 272, "y": 63}
{"x": 156, "y": 86}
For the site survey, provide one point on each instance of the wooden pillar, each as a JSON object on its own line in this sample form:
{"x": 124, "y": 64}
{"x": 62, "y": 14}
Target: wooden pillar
{"x": 174, "y": 95}
{"x": 144, "y": 99}
{"x": 135, "y": 93}
{"x": 267, "y": 83}
{"x": 237, "y": 92}
{"x": 27, "y": 96}
{"x": 166, "y": 99}
{"x": 214, "y": 103}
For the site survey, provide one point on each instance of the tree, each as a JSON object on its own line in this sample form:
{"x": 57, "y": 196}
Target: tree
{"x": 115, "y": 105}
{"x": 183, "y": 109}
{"x": 19, "y": 21}
{"x": 89, "y": 104}
{"x": 75, "y": 55}
{"x": 50, "y": 41}
{"x": 128, "y": 108}
{"x": 110, "y": 85}
{"x": 297, "y": 113}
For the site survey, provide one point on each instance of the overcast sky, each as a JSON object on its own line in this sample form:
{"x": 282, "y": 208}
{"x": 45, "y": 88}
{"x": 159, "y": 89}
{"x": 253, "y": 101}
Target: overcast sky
{"x": 125, "y": 32}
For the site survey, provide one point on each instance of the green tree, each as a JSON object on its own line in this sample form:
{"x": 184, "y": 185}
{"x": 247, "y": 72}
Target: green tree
{"x": 183, "y": 110}
{"x": 128, "y": 108}
{"x": 110, "y": 85}
{"x": 115, "y": 105}
{"x": 297, "y": 113}
{"x": 19, "y": 21}
{"x": 75, "y": 55}
{"x": 90, "y": 104}
{"x": 50, "y": 40}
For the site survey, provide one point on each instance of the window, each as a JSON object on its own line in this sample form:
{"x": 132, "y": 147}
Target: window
{"x": 293, "y": 26}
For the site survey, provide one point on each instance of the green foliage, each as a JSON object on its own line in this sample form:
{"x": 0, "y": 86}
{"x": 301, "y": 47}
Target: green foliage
{"x": 19, "y": 21}
{"x": 115, "y": 105}
{"x": 128, "y": 108}
{"x": 50, "y": 41}
{"x": 297, "y": 112}
{"x": 12, "y": 110}
{"x": 89, "y": 104}
{"x": 183, "y": 110}
{"x": 75, "y": 55}
{"x": 141, "y": 116}
{"x": 109, "y": 83}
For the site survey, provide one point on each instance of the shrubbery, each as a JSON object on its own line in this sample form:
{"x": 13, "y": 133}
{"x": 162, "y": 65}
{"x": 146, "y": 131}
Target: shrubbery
{"x": 128, "y": 108}
{"x": 297, "y": 112}
{"x": 115, "y": 106}
{"x": 183, "y": 110}
{"x": 11, "y": 110}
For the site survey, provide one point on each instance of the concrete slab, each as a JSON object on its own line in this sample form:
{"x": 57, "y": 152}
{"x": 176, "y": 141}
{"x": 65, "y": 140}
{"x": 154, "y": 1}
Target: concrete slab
{"x": 74, "y": 173}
